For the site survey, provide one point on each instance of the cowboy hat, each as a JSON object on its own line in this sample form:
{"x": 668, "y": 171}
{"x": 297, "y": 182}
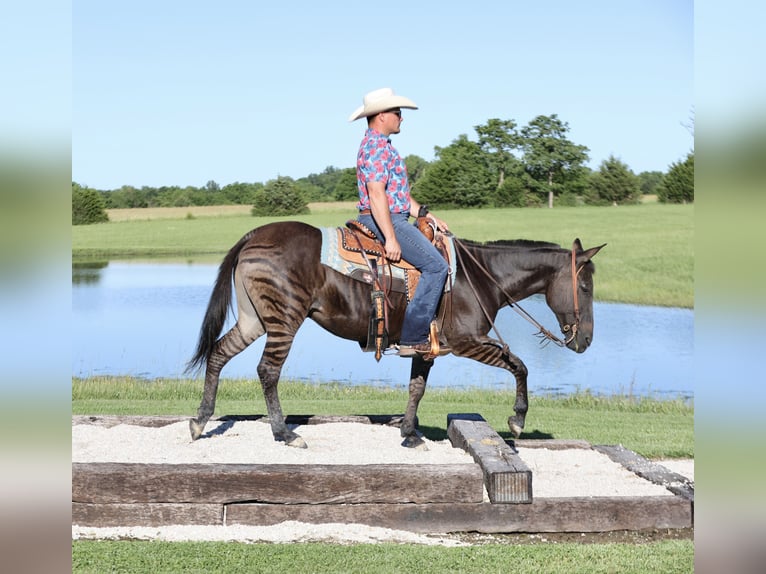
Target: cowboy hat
{"x": 379, "y": 101}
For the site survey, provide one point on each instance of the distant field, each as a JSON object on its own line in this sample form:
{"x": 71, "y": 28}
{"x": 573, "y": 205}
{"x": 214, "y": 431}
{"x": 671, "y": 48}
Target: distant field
{"x": 649, "y": 259}
{"x": 149, "y": 213}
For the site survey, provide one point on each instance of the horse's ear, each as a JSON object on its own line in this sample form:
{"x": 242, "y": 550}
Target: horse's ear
{"x": 585, "y": 255}
{"x": 590, "y": 253}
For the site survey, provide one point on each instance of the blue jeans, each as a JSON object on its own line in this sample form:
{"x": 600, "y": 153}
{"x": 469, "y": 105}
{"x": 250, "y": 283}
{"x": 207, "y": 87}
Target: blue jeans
{"x": 418, "y": 251}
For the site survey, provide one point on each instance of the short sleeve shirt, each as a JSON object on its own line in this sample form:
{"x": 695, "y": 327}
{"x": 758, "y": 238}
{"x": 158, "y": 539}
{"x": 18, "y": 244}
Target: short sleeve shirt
{"x": 378, "y": 160}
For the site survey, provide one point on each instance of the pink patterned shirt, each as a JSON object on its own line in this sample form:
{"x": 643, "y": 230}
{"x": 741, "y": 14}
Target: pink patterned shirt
{"x": 378, "y": 160}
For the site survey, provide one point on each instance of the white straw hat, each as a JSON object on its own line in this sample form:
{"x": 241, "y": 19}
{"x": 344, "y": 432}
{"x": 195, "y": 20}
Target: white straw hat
{"x": 379, "y": 101}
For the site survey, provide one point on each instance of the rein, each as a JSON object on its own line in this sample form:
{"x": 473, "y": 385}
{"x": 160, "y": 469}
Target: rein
{"x": 543, "y": 333}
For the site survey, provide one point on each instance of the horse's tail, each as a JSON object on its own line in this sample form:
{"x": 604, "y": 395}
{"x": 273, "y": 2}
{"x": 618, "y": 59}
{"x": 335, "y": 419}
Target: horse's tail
{"x": 217, "y": 307}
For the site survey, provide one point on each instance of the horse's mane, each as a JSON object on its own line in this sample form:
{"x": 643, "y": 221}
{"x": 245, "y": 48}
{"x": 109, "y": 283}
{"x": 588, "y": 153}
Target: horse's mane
{"x": 518, "y": 243}
{"x": 546, "y": 247}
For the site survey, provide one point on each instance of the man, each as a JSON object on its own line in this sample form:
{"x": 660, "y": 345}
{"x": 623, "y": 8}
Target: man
{"x": 385, "y": 206}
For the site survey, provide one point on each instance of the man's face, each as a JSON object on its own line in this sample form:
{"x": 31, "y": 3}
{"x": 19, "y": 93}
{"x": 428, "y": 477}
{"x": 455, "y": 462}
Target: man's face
{"x": 392, "y": 120}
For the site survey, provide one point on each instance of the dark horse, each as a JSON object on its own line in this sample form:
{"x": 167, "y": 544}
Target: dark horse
{"x": 280, "y": 281}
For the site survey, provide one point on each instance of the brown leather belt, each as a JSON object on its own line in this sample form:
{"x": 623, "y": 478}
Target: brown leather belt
{"x": 365, "y": 212}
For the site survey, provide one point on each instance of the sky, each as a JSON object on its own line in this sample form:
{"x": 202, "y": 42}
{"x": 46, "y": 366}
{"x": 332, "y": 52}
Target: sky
{"x": 181, "y": 93}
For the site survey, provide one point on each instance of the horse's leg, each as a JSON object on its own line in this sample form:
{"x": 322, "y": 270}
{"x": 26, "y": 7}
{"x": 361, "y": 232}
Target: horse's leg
{"x": 231, "y": 344}
{"x": 521, "y": 405}
{"x": 418, "y": 377}
{"x": 490, "y": 352}
{"x": 269, "y": 370}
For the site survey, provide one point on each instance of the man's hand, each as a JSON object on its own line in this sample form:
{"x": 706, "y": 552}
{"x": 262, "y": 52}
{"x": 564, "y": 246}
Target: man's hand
{"x": 393, "y": 250}
{"x": 440, "y": 224}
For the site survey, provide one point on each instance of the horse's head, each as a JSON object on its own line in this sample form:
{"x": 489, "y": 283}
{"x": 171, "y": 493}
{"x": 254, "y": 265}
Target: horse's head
{"x": 570, "y": 296}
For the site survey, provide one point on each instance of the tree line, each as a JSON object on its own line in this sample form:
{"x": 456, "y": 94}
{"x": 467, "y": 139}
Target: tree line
{"x": 504, "y": 166}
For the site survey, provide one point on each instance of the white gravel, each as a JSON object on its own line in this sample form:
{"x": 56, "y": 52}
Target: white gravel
{"x": 285, "y": 532}
{"x": 556, "y": 473}
{"x": 583, "y": 472}
{"x": 251, "y": 442}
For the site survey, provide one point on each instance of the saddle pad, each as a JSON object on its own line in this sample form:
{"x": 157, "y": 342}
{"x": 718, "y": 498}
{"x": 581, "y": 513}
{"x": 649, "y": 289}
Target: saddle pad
{"x": 331, "y": 257}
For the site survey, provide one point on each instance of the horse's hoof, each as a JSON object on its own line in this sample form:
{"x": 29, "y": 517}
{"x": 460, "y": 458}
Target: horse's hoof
{"x": 414, "y": 442}
{"x": 515, "y": 429}
{"x": 297, "y": 442}
{"x": 196, "y": 429}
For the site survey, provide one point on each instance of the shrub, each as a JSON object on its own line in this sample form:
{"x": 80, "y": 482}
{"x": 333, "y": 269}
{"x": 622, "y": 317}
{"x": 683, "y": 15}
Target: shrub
{"x": 279, "y": 196}
{"x": 87, "y": 206}
{"x": 678, "y": 184}
{"x": 512, "y": 193}
{"x": 613, "y": 183}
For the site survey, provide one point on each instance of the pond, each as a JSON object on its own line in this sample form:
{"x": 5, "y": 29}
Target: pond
{"x": 142, "y": 319}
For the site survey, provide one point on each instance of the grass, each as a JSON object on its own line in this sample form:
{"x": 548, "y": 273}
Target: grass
{"x": 653, "y": 428}
{"x": 158, "y": 557}
{"x": 649, "y": 258}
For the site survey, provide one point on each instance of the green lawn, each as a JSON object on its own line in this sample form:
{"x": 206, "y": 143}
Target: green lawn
{"x": 667, "y": 557}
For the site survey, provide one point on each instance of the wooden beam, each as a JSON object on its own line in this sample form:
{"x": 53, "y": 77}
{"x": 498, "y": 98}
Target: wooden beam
{"x": 275, "y": 483}
{"x": 109, "y": 421}
{"x": 552, "y": 443}
{"x": 656, "y": 473}
{"x": 506, "y": 477}
{"x": 145, "y": 514}
{"x": 543, "y": 515}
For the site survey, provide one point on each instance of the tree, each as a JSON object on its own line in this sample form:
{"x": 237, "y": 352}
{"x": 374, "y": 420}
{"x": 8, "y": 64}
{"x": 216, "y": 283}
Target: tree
{"x": 678, "y": 185}
{"x": 346, "y": 186}
{"x": 548, "y": 154}
{"x": 614, "y": 183}
{"x": 512, "y": 193}
{"x": 498, "y": 139}
{"x": 87, "y": 206}
{"x": 416, "y": 167}
{"x": 182, "y": 197}
{"x": 279, "y": 196}
{"x": 167, "y": 196}
{"x": 240, "y": 193}
{"x": 650, "y": 181}
{"x": 129, "y": 197}
{"x": 459, "y": 177}
{"x": 322, "y": 186}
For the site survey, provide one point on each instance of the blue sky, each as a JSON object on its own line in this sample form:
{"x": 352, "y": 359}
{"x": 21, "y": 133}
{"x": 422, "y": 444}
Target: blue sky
{"x": 180, "y": 93}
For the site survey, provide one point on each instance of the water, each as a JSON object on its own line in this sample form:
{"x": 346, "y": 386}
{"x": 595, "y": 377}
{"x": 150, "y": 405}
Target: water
{"x": 142, "y": 319}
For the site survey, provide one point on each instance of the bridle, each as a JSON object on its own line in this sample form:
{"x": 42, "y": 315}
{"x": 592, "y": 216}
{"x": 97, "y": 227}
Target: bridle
{"x": 544, "y": 334}
{"x": 573, "y": 328}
